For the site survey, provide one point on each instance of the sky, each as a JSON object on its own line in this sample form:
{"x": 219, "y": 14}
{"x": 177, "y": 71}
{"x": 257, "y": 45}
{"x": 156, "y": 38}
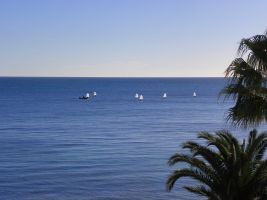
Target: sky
{"x": 125, "y": 38}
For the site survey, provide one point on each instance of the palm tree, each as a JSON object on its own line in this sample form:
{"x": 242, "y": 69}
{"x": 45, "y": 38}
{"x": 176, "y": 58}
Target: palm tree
{"x": 247, "y": 85}
{"x": 225, "y": 168}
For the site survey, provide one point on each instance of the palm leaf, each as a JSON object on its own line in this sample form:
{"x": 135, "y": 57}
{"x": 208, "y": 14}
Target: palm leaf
{"x": 225, "y": 168}
{"x": 248, "y": 84}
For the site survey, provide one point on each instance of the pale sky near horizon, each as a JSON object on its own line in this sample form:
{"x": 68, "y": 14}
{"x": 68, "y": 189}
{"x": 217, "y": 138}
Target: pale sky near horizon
{"x": 131, "y": 38}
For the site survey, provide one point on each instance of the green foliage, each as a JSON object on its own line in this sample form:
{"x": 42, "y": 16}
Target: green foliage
{"x": 225, "y": 168}
{"x": 247, "y": 83}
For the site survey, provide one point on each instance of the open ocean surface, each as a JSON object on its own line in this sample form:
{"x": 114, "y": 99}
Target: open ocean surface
{"x": 54, "y": 146}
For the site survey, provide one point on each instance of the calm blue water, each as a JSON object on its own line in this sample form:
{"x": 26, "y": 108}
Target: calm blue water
{"x": 54, "y": 146}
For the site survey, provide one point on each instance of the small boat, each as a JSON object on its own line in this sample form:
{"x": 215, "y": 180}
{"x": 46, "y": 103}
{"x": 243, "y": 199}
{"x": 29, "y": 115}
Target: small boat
{"x": 194, "y": 94}
{"x": 136, "y": 96}
{"x": 94, "y": 94}
{"x": 164, "y": 96}
{"x": 87, "y": 95}
{"x": 141, "y": 98}
{"x": 83, "y": 97}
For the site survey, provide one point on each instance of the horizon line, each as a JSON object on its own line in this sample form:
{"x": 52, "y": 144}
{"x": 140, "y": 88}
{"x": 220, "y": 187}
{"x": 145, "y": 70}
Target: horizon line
{"x": 112, "y": 76}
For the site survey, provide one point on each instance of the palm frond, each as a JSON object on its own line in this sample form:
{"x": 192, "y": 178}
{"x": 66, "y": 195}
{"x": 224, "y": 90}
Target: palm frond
{"x": 248, "y": 83}
{"x": 225, "y": 168}
{"x": 192, "y": 173}
{"x": 203, "y": 191}
{"x": 256, "y": 47}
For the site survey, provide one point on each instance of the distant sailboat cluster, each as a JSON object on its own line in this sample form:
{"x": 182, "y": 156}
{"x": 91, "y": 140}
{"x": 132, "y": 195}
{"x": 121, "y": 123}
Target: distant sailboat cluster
{"x": 164, "y": 96}
{"x": 137, "y": 96}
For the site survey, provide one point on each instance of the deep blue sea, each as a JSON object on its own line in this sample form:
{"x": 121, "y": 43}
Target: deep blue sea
{"x": 54, "y": 146}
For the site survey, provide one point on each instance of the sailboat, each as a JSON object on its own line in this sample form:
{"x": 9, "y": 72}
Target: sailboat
{"x": 136, "y": 96}
{"x": 194, "y": 94}
{"x": 141, "y": 98}
{"x": 94, "y": 94}
{"x": 164, "y": 96}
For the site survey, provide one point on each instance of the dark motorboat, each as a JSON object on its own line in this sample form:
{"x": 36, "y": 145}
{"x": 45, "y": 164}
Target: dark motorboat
{"x": 85, "y": 97}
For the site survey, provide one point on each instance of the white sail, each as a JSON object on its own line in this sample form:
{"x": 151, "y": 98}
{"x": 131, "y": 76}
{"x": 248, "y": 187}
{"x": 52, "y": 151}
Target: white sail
{"x": 87, "y": 95}
{"x": 94, "y": 93}
{"x": 164, "y": 95}
{"x": 136, "y": 96}
{"x": 194, "y": 94}
{"x": 141, "y": 98}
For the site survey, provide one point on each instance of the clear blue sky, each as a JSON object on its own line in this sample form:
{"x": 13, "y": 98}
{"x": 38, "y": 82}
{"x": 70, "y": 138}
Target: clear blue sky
{"x": 124, "y": 37}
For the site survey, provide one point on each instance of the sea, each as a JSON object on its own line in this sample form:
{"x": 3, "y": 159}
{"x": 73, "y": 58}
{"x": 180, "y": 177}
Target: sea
{"x": 55, "y": 146}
